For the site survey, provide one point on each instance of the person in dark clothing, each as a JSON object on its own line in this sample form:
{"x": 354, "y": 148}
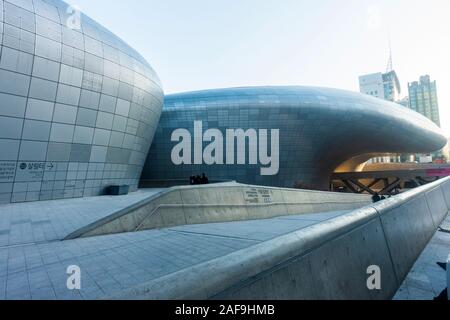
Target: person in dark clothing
{"x": 192, "y": 180}
{"x": 376, "y": 198}
{"x": 197, "y": 180}
{"x": 205, "y": 179}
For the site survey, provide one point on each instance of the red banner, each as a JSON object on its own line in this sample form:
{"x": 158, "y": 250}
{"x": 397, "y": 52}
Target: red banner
{"x": 438, "y": 172}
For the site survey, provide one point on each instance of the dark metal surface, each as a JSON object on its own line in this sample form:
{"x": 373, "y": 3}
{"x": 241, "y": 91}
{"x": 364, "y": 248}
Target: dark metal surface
{"x": 320, "y": 129}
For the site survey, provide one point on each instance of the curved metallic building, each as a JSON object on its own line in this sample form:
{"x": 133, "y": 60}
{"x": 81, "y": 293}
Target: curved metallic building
{"x": 319, "y": 129}
{"x": 78, "y": 106}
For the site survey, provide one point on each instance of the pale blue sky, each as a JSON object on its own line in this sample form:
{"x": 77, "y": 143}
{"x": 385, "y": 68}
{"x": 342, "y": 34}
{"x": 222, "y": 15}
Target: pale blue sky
{"x": 200, "y": 44}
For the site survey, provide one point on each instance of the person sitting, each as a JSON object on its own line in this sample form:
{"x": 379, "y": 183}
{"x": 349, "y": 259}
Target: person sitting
{"x": 205, "y": 179}
{"x": 376, "y": 198}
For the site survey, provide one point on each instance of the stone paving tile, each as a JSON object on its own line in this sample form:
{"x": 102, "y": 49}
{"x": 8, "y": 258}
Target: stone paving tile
{"x": 402, "y": 294}
{"x": 107, "y": 268}
{"x": 40, "y": 222}
{"x": 43, "y": 293}
{"x": 112, "y": 263}
{"x": 3, "y": 288}
{"x": 320, "y": 216}
{"x": 260, "y": 230}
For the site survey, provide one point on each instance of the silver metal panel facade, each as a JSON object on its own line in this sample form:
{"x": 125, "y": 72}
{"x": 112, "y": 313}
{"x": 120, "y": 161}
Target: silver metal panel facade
{"x": 78, "y": 107}
{"x": 319, "y": 130}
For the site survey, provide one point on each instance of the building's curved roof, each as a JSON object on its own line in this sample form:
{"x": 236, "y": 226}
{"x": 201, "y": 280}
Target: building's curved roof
{"x": 426, "y": 136}
{"x": 91, "y": 30}
{"x": 78, "y": 106}
{"x": 319, "y": 129}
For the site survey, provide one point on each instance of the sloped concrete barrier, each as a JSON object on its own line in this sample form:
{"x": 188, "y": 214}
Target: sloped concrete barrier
{"x": 410, "y": 221}
{"x": 446, "y": 191}
{"x": 222, "y": 202}
{"x": 448, "y": 278}
{"x": 329, "y": 260}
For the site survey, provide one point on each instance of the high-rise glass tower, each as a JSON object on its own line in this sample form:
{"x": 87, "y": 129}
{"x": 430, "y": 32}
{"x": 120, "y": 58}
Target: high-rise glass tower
{"x": 423, "y": 98}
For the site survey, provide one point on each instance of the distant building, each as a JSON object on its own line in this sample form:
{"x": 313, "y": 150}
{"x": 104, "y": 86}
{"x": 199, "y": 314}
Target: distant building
{"x": 404, "y": 102}
{"x": 447, "y": 151}
{"x": 384, "y": 86}
{"x": 423, "y": 98}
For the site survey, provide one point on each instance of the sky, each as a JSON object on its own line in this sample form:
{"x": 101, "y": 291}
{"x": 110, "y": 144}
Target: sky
{"x": 202, "y": 44}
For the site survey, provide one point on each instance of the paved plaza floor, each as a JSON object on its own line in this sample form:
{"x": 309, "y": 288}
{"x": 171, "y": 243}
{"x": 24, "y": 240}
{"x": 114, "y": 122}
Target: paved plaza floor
{"x": 41, "y": 222}
{"x": 110, "y": 264}
{"x": 34, "y": 258}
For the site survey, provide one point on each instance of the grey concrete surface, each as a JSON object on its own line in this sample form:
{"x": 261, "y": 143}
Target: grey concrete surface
{"x": 427, "y": 280}
{"x": 222, "y": 202}
{"x": 258, "y": 230}
{"x": 410, "y": 221}
{"x": 320, "y": 261}
{"x": 40, "y": 222}
{"x": 323, "y": 261}
{"x": 111, "y": 264}
{"x": 307, "y": 256}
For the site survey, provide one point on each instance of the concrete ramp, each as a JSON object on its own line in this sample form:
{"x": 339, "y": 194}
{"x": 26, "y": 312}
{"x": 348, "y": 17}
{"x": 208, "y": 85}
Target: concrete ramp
{"x": 329, "y": 260}
{"x": 223, "y": 202}
{"x": 48, "y": 221}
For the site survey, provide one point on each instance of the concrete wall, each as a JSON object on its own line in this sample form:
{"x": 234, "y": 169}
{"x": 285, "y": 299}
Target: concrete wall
{"x": 219, "y": 203}
{"x": 325, "y": 261}
{"x": 448, "y": 277}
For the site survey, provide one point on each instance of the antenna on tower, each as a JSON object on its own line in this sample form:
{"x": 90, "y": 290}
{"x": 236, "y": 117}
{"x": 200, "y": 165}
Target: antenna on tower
{"x": 390, "y": 65}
